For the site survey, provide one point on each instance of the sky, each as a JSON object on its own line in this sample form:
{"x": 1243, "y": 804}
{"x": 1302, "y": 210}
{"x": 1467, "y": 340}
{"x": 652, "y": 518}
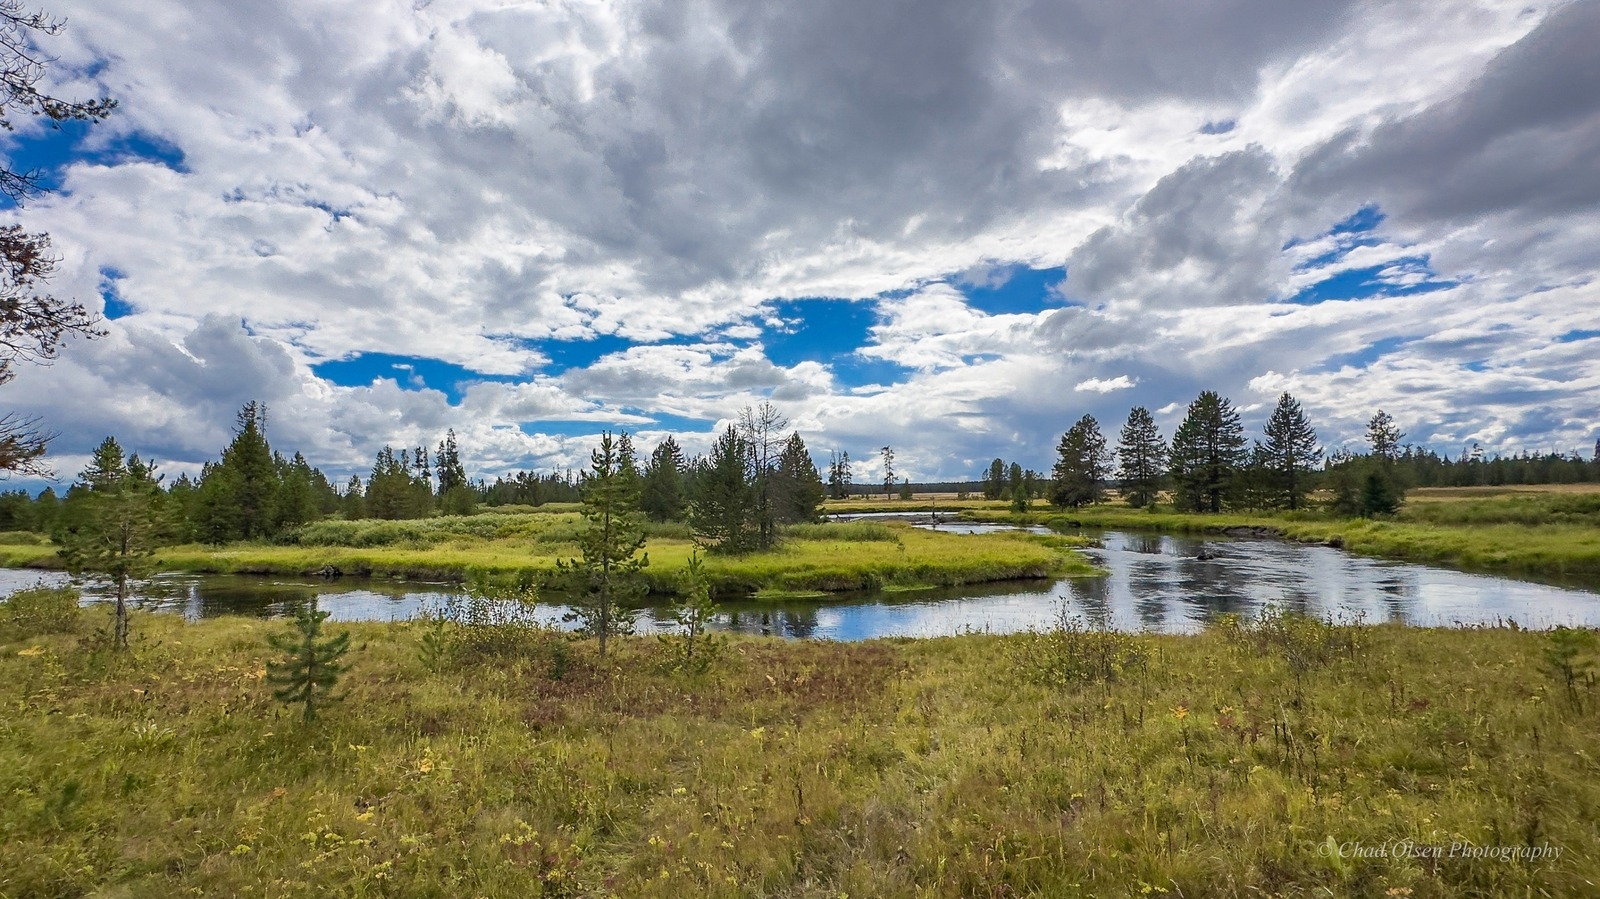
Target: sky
{"x": 950, "y": 226}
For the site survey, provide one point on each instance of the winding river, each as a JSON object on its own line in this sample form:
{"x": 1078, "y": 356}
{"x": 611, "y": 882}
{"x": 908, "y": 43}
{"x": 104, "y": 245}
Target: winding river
{"x": 1155, "y": 583}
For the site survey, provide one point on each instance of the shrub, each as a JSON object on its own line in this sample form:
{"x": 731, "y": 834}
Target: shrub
{"x": 491, "y": 624}
{"x": 1304, "y": 642}
{"x": 40, "y": 610}
{"x": 1074, "y": 652}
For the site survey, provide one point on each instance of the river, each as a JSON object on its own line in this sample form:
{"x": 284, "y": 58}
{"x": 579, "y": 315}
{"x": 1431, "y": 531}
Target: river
{"x": 1156, "y": 583}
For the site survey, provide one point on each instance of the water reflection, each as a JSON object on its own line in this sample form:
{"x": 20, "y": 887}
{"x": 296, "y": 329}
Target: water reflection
{"x": 1155, "y": 583}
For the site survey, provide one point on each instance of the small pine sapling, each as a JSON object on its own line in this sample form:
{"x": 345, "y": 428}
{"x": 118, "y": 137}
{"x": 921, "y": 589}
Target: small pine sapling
{"x": 693, "y": 648}
{"x": 310, "y": 665}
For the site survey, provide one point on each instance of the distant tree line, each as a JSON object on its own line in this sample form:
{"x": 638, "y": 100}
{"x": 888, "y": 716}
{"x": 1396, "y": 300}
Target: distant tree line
{"x": 1210, "y": 465}
{"x": 757, "y": 478}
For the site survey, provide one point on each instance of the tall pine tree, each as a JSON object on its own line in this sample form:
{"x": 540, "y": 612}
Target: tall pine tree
{"x": 799, "y": 492}
{"x": 1290, "y": 454}
{"x": 1142, "y": 459}
{"x": 1208, "y": 450}
{"x": 1082, "y": 465}
{"x": 239, "y": 495}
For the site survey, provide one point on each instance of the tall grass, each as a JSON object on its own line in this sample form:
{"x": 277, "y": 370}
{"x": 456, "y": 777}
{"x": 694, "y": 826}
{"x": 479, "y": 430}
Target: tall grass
{"x": 888, "y": 769}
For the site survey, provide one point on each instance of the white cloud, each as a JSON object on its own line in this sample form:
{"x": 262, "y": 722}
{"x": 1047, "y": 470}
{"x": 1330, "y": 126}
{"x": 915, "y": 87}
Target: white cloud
{"x": 468, "y": 181}
{"x": 1105, "y": 385}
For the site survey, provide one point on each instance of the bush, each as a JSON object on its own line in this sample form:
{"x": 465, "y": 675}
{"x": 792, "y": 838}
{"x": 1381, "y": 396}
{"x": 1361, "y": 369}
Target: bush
{"x": 40, "y": 610}
{"x": 22, "y": 538}
{"x": 1303, "y": 642}
{"x": 491, "y": 625}
{"x": 1073, "y": 653}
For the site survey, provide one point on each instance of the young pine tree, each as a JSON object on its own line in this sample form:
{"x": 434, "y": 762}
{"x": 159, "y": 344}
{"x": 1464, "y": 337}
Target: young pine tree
{"x": 112, "y": 522}
{"x": 310, "y": 666}
{"x": 611, "y": 562}
{"x": 1142, "y": 455}
{"x": 693, "y": 648}
{"x": 1208, "y": 450}
{"x": 1082, "y": 465}
{"x": 1290, "y": 455}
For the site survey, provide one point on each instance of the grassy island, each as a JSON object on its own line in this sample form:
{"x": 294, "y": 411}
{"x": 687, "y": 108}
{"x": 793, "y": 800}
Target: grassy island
{"x": 1281, "y": 759}
{"x": 820, "y": 558}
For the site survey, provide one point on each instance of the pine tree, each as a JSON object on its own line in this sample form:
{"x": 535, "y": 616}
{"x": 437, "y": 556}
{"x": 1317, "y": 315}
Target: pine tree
{"x": 888, "y": 470}
{"x": 1290, "y": 454}
{"x": 1384, "y": 435}
{"x": 1208, "y": 450}
{"x": 354, "y": 502}
{"x": 1082, "y": 465}
{"x": 1142, "y": 455}
{"x": 1019, "y": 498}
{"x": 798, "y": 487}
{"x": 724, "y": 502}
{"x": 456, "y": 494}
{"x": 994, "y": 482}
{"x": 112, "y": 522}
{"x": 393, "y": 490}
{"x": 840, "y": 475}
{"x": 239, "y": 495}
{"x": 311, "y": 664}
{"x": 611, "y": 543}
{"x": 693, "y": 648}
{"x": 1378, "y": 496}
{"x": 662, "y": 495}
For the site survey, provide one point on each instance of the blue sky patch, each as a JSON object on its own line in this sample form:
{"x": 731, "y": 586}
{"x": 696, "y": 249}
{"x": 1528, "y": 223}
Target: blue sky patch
{"x": 1363, "y": 222}
{"x": 1571, "y": 336}
{"x": 1219, "y": 127}
{"x": 1024, "y": 290}
{"x": 817, "y": 330}
{"x": 50, "y": 151}
{"x": 1365, "y": 356}
{"x": 410, "y": 372}
{"x": 116, "y": 306}
{"x": 1361, "y": 283}
{"x": 565, "y": 354}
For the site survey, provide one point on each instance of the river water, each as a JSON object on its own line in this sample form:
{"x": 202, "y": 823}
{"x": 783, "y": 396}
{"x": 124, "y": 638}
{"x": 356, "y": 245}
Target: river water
{"x": 1155, "y": 583}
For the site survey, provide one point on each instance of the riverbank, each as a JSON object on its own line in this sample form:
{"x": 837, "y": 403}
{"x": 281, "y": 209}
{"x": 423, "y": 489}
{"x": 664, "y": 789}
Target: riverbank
{"x": 1279, "y": 760}
{"x": 1533, "y": 545}
{"x": 828, "y": 558}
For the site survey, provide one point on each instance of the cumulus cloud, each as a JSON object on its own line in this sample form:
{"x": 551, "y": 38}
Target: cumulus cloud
{"x": 472, "y": 181}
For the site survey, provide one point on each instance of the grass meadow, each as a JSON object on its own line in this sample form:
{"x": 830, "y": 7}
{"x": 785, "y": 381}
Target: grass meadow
{"x": 1284, "y": 757}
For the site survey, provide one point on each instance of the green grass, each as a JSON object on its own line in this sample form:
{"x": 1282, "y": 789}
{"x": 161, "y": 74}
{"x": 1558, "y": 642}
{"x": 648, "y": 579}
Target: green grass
{"x": 826, "y": 558}
{"x": 1210, "y": 766}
